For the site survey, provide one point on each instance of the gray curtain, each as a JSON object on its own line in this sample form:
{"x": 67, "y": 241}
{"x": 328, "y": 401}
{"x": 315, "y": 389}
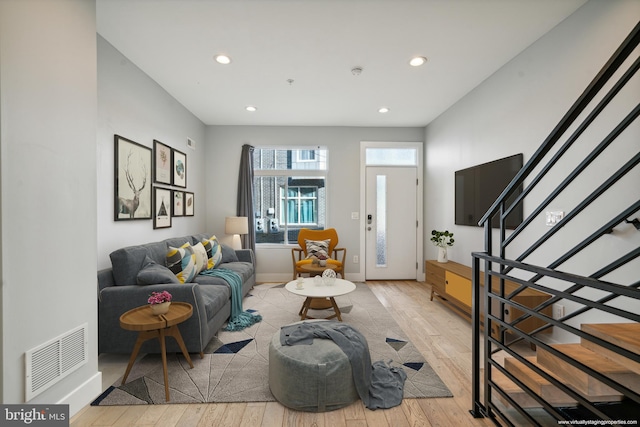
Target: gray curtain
{"x": 245, "y": 196}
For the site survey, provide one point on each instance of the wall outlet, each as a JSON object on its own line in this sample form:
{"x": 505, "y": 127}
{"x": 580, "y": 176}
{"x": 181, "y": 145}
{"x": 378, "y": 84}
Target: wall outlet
{"x": 558, "y": 311}
{"x": 356, "y": 259}
{"x": 553, "y": 217}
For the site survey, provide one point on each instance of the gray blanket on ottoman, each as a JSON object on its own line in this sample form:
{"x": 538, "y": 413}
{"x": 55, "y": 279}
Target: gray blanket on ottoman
{"x": 378, "y": 385}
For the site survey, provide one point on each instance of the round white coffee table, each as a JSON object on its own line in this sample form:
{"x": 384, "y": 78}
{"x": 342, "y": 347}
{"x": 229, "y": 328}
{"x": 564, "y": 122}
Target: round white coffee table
{"x": 322, "y": 292}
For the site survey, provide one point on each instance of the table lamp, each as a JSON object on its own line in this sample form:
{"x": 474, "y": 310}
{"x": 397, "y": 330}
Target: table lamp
{"x": 236, "y": 225}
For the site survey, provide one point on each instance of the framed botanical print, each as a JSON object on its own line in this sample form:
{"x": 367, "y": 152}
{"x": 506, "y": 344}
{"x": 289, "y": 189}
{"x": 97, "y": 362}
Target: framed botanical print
{"x": 179, "y": 169}
{"x": 178, "y": 203}
{"x": 188, "y": 204}
{"x": 161, "y": 163}
{"x": 161, "y": 207}
{"x": 132, "y": 173}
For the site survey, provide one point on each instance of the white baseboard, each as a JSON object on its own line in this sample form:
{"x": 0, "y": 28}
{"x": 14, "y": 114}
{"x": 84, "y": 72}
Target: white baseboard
{"x": 83, "y": 395}
{"x": 273, "y": 277}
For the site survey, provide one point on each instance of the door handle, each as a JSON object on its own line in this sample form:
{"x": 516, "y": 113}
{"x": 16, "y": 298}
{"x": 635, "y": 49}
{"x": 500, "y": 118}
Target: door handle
{"x": 369, "y": 219}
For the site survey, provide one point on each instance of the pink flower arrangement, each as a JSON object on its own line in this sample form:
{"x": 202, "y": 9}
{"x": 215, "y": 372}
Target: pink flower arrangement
{"x": 159, "y": 297}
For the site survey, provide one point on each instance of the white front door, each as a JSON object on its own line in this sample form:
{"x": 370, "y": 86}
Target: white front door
{"x": 391, "y": 223}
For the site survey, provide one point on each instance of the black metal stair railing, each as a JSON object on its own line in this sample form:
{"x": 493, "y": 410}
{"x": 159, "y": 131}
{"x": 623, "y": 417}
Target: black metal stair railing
{"x": 585, "y": 293}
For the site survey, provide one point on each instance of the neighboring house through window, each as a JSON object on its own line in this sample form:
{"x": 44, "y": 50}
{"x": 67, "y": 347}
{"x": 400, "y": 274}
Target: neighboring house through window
{"x": 290, "y": 192}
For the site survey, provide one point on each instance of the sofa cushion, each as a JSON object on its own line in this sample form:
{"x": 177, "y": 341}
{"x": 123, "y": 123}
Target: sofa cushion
{"x": 199, "y": 237}
{"x": 228, "y": 254}
{"x": 182, "y": 262}
{"x": 214, "y": 298}
{"x": 153, "y": 273}
{"x": 126, "y": 263}
{"x": 244, "y": 269}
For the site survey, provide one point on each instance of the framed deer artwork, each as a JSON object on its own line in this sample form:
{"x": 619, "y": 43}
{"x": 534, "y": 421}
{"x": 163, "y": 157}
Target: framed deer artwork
{"x": 132, "y": 180}
{"x": 161, "y": 163}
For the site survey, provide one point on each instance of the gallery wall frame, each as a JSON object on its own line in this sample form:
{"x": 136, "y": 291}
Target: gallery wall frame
{"x": 132, "y": 180}
{"x": 179, "y": 161}
{"x": 189, "y": 204}
{"x": 161, "y": 207}
{"x": 178, "y": 203}
{"x": 162, "y": 163}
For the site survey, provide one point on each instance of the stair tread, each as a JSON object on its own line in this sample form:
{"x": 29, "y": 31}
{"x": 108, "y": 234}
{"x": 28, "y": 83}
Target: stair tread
{"x": 625, "y": 335}
{"x": 595, "y": 361}
{"x": 535, "y": 381}
{"x": 522, "y": 398}
{"x": 579, "y": 380}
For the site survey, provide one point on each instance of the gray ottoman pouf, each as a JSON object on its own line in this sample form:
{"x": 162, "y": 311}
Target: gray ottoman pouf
{"x": 312, "y": 378}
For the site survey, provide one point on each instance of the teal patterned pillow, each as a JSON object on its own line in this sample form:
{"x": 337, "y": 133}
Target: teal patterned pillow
{"x": 182, "y": 262}
{"x": 214, "y": 252}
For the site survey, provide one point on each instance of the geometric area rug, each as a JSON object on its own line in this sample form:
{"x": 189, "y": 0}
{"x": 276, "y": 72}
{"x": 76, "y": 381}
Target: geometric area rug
{"x": 235, "y": 364}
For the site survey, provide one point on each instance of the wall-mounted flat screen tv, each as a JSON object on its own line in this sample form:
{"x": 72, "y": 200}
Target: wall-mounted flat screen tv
{"x": 479, "y": 186}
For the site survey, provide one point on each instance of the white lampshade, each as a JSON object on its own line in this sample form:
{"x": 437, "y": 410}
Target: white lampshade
{"x": 236, "y": 225}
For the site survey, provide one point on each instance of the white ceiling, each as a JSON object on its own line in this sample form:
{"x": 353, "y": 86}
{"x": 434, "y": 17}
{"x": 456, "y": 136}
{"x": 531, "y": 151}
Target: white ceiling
{"x": 317, "y": 43}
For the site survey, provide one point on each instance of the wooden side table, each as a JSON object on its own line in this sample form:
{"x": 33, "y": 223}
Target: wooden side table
{"x": 150, "y": 326}
{"x": 317, "y": 270}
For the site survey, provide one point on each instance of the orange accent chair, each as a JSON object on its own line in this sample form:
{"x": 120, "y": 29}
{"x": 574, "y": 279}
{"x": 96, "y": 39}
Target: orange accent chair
{"x": 308, "y": 234}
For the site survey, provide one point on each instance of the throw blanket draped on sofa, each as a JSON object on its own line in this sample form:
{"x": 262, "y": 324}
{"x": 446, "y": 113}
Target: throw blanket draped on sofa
{"x": 239, "y": 319}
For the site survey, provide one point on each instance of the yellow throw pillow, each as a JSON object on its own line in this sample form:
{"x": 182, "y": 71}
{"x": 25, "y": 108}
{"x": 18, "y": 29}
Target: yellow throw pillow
{"x": 214, "y": 252}
{"x": 182, "y": 262}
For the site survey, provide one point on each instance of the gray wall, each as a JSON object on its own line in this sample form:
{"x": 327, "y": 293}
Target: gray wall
{"x": 514, "y": 110}
{"x": 224, "y": 145}
{"x": 132, "y": 105}
{"x": 47, "y": 139}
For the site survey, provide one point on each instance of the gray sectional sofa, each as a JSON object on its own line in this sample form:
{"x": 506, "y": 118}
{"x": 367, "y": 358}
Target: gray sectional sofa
{"x": 119, "y": 290}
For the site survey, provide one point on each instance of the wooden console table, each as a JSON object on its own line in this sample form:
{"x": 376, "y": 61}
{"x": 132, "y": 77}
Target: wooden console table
{"x": 451, "y": 283}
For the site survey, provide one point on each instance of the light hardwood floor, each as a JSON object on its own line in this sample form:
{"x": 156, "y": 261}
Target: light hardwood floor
{"x": 443, "y": 338}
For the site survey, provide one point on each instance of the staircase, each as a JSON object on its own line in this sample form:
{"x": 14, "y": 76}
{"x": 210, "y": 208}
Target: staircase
{"x": 611, "y": 365}
{"x": 588, "y": 368}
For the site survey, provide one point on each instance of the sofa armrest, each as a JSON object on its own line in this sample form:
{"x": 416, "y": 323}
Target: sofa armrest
{"x": 246, "y": 255}
{"x": 105, "y": 279}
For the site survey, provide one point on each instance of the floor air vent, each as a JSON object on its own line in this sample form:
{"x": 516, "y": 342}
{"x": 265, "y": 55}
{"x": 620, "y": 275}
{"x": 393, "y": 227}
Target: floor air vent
{"x": 50, "y": 362}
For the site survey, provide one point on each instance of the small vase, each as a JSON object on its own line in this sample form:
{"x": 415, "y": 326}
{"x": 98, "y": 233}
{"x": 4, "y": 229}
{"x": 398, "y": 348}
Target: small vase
{"x": 442, "y": 255}
{"x": 161, "y": 308}
{"x": 323, "y": 262}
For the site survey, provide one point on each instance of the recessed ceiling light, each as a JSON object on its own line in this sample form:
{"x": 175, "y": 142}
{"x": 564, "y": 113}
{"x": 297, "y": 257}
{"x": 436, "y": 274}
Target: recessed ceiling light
{"x": 223, "y": 59}
{"x": 251, "y": 108}
{"x": 383, "y": 110}
{"x": 417, "y": 61}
